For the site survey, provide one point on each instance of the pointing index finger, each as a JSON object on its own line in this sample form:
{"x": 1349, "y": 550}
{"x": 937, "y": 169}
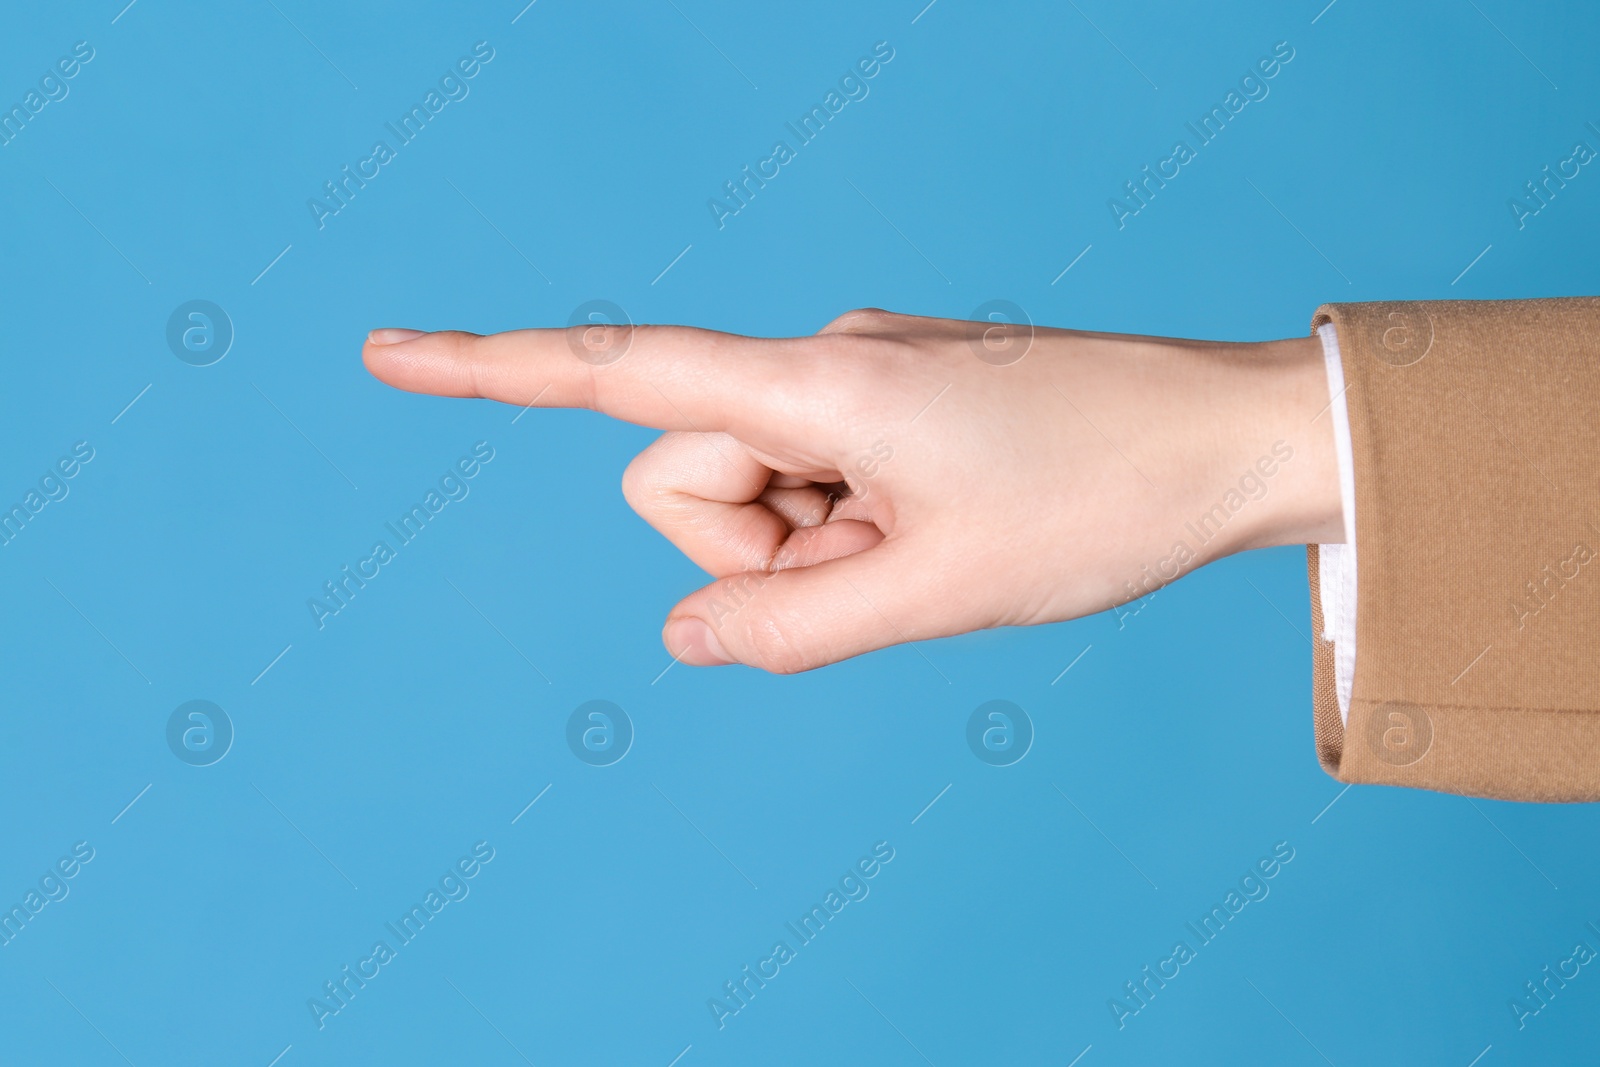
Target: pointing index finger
{"x": 668, "y": 377}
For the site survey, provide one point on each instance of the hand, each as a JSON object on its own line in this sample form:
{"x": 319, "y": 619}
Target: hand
{"x": 897, "y": 478}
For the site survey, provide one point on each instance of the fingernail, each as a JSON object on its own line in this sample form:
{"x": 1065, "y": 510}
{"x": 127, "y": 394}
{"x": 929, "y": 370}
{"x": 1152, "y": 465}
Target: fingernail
{"x": 393, "y": 336}
{"x": 694, "y": 643}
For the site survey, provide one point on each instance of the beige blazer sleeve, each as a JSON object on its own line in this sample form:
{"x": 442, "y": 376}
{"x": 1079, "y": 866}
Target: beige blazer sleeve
{"x": 1475, "y": 429}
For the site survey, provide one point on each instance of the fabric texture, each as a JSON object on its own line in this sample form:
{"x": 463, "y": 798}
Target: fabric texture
{"x": 1337, "y": 563}
{"x": 1475, "y": 440}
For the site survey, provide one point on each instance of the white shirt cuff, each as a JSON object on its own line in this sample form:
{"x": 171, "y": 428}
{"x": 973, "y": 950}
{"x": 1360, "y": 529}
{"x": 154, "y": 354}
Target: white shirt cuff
{"x": 1336, "y": 564}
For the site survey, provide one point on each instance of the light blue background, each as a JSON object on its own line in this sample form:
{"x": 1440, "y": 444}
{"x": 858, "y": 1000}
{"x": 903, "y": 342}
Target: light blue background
{"x": 411, "y": 727}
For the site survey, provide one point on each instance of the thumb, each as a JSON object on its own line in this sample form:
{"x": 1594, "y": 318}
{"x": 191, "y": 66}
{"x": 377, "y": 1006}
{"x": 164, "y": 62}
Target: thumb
{"x": 804, "y": 617}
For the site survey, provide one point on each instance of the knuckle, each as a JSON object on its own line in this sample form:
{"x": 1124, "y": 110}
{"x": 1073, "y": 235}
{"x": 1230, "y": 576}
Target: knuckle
{"x": 872, "y": 373}
{"x": 863, "y": 349}
{"x": 862, "y": 320}
{"x": 464, "y": 356}
{"x": 648, "y": 485}
{"x": 778, "y": 643}
{"x": 637, "y": 484}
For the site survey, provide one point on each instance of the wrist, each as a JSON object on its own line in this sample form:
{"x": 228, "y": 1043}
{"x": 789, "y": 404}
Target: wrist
{"x": 1285, "y": 387}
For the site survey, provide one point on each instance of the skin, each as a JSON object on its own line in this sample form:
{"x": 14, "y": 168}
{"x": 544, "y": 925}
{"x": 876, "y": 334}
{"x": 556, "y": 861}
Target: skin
{"x": 896, "y": 478}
